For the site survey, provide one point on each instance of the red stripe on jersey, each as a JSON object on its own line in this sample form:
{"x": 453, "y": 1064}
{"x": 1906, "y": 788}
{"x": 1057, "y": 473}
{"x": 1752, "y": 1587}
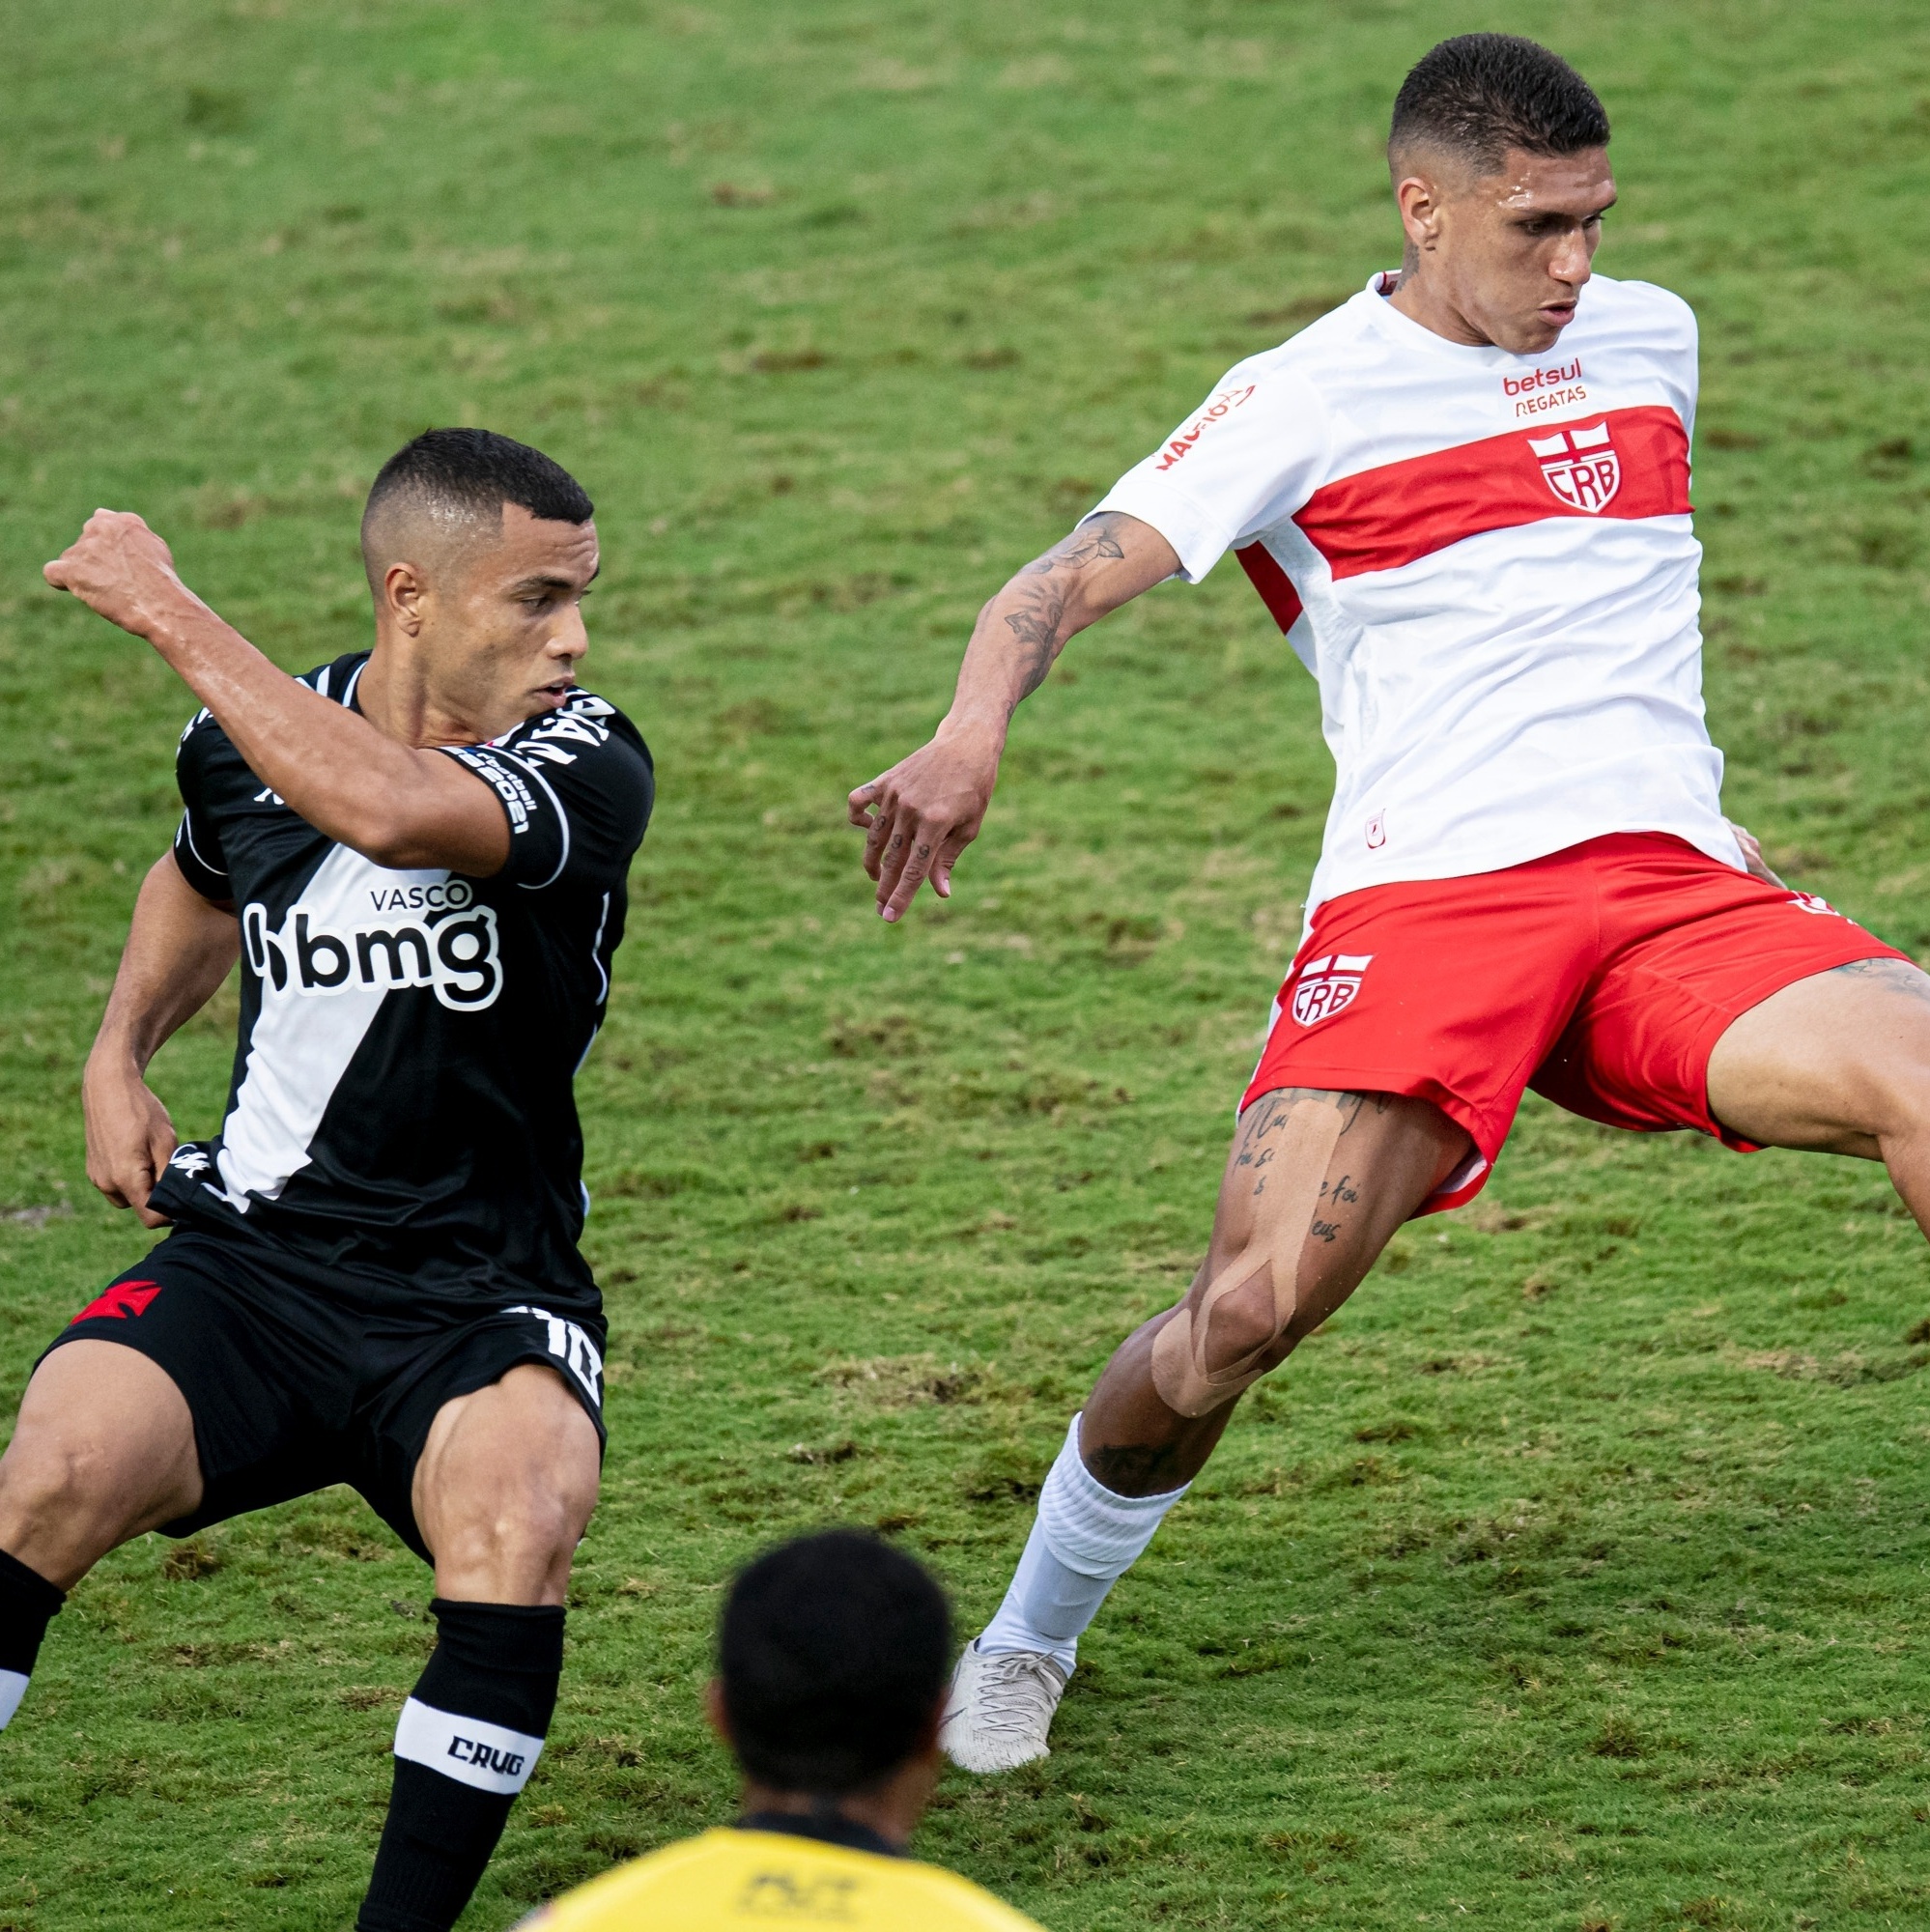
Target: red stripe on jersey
{"x": 1626, "y": 463}
{"x": 1275, "y": 587}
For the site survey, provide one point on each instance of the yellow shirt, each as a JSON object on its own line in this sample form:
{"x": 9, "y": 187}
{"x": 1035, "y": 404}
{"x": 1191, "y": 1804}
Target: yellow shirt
{"x": 733, "y": 1881}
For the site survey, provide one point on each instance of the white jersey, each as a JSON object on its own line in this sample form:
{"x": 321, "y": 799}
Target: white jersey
{"x": 1487, "y": 560}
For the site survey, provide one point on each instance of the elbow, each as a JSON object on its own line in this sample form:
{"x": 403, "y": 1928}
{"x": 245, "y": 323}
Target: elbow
{"x": 394, "y": 852}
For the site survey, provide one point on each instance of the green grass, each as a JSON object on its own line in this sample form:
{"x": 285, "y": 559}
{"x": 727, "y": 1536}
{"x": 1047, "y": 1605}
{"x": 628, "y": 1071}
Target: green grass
{"x": 1576, "y": 1577}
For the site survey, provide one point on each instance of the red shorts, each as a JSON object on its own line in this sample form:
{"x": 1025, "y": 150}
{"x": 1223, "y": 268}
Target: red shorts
{"x": 1602, "y": 976}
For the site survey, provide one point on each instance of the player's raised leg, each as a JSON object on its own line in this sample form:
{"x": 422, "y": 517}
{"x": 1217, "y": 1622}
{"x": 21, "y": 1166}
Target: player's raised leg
{"x": 1837, "y": 1063}
{"x": 1315, "y": 1186}
{"x": 103, "y": 1452}
{"x": 502, "y": 1492}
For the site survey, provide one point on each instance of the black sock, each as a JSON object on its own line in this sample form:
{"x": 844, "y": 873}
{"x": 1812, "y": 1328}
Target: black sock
{"x": 28, "y": 1605}
{"x": 464, "y": 1746}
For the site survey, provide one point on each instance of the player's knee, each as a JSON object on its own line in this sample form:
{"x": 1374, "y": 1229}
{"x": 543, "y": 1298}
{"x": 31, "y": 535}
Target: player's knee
{"x": 1903, "y": 1082}
{"x": 54, "y": 1485}
{"x": 1243, "y": 1323}
{"x": 518, "y": 1529}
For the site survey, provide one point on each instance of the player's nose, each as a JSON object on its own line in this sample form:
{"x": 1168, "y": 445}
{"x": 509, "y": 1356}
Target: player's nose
{"x": 571, "y": 639}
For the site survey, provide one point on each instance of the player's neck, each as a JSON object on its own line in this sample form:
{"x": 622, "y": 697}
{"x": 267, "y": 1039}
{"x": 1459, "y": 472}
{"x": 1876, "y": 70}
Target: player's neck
{"x": 1419, "y": 299}
{"x": 400, "y": 697}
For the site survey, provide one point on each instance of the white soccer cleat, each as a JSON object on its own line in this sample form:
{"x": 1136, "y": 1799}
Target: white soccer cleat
{"x": 1000, "y": 1709}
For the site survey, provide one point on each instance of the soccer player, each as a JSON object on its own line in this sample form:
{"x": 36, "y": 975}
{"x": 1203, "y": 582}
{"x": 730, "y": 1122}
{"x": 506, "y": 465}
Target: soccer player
{"x": 1463, "y": 496}
{"x": 832, "y": 1657}
{"x": 420, "y": 853}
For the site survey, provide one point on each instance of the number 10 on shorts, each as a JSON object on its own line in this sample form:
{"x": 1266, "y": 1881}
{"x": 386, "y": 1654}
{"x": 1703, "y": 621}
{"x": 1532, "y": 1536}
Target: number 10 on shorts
{"x": 571, "y": 1347}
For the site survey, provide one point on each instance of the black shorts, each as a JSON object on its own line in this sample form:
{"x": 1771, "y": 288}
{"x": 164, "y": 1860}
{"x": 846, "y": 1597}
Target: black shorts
{"x": 294, "y": 1385}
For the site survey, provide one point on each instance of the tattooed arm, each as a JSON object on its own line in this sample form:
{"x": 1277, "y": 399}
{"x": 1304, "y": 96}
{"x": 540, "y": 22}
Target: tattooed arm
{"x": 921, "y": 813}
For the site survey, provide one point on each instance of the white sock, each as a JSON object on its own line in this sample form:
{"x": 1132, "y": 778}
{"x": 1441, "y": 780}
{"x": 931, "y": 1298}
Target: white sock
{"x": 1084, "y": 1539}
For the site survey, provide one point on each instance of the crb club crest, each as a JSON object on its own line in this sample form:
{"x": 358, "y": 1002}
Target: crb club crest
{"x": 1580, "y": 466}
{"x": 1327, "y": 986}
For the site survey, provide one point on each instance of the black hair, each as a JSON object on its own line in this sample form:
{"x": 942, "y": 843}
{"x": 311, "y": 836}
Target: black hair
{"x": 833, "y": 1651}
{"x": 1479, "y": 94}
{"x": 479, "y": 471}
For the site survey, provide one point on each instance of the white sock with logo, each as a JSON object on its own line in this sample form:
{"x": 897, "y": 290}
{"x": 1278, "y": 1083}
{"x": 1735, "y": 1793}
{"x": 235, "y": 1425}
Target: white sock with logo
{"x": 1084, "y": 1539}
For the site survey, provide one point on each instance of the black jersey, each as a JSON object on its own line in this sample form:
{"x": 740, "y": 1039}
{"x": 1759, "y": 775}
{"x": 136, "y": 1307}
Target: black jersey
{"x": 402, "y": 1112}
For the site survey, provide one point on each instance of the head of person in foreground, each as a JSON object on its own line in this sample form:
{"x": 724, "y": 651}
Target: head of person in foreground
{"x": 1498, "y": 153}
{"x": 832, "y": 1655}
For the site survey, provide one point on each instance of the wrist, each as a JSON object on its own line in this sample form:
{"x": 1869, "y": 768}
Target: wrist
{"x": 978, "y": 728}
{"x": 115, "y": 1055}
{"x": 175, "y": 620}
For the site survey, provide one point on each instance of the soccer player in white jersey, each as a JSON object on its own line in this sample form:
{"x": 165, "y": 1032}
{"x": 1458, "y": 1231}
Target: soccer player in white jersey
{"x": 1465, "y": 496}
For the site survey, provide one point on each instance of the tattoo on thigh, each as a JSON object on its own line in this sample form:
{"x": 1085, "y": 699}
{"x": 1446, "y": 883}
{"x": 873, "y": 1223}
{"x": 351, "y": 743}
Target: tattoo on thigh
{"x": 1341, "y": 1192}
{"x": 1897, "y": 975}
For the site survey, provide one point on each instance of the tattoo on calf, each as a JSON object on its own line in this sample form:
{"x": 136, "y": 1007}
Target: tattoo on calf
{"x": 1129, "y": 1470}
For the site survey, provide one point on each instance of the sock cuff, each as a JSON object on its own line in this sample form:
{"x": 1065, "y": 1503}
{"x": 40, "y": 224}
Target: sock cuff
{"x": 1089, "y": 1527}
{"x": 501, "y": 1636}
{"x": 29, "y": 1585}
{"x": 498, "y": 1664}
{"x": 28, "y": 1603}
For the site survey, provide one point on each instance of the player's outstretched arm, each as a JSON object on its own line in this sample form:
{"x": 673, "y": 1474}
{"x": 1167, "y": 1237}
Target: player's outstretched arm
{"x": 179, "y": 950}
{"x": 920, "y": 816}
{"x": 397, "y": 804}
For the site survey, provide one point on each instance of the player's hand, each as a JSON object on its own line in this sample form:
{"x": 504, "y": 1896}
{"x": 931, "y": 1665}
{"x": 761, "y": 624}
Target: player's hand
{"x": 920, "y": 816}
{"x": 120, "y": 568}
{"x": 129, "y": 1138}
{"x": 1753, "y": 856}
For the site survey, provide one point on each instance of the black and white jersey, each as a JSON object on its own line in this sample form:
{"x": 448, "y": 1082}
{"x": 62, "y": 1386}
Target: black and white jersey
{"x": 402, "y": 1112}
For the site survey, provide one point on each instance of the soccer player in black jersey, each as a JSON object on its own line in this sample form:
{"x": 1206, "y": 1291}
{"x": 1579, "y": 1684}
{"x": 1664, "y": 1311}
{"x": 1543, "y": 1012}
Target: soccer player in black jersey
{"x": 372, "y": 1275}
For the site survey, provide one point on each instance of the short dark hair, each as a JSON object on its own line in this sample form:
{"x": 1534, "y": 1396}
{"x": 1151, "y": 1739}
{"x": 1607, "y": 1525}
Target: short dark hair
{"x": 833, "y": 1651}
{"x": 479, "y": 471}
{"x": 1479, "y": 94}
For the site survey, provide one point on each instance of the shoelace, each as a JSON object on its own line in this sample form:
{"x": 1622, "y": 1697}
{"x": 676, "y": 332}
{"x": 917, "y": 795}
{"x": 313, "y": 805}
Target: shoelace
{"x": 1016, "y": 1691}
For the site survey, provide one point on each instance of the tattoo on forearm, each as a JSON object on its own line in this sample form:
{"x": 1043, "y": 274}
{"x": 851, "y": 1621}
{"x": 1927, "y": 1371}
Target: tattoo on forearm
{"x": 1036, "y": 625}
{"x": 1040, "y": 610}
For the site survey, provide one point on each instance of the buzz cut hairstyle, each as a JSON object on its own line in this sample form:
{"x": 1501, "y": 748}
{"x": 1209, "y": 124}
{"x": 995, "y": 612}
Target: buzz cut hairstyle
{"x": 467, "y": 475}
{"x": 1479, "y": 94}
{"x": 833, "y": 1653}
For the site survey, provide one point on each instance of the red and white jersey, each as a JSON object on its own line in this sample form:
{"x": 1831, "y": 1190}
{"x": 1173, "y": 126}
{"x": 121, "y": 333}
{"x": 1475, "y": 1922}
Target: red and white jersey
{"x": 1486, "y": 558}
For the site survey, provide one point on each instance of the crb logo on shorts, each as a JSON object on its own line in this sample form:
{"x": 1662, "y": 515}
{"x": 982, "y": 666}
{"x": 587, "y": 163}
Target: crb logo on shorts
{"x": 1327, "y": 986}
{"x": 450, "y": 945}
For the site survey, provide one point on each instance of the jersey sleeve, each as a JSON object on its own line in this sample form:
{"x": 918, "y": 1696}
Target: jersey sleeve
{"x": 576, "y": 787}
{"x": 197, "y": 842}
{"x": 1244, "y": 460}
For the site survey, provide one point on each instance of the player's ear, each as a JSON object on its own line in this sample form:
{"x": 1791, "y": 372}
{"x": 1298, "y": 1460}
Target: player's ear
{"x": 1420, "y": 198}
{"x": 715, "y": 1715}
{"x": 404, "y": 592}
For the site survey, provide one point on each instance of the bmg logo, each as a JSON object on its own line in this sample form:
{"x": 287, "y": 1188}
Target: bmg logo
{"x": 451, "y": 947}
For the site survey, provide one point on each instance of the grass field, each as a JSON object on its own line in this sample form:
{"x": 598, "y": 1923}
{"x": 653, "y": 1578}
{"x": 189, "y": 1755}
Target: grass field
{"x": 1576, "y": 1577}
